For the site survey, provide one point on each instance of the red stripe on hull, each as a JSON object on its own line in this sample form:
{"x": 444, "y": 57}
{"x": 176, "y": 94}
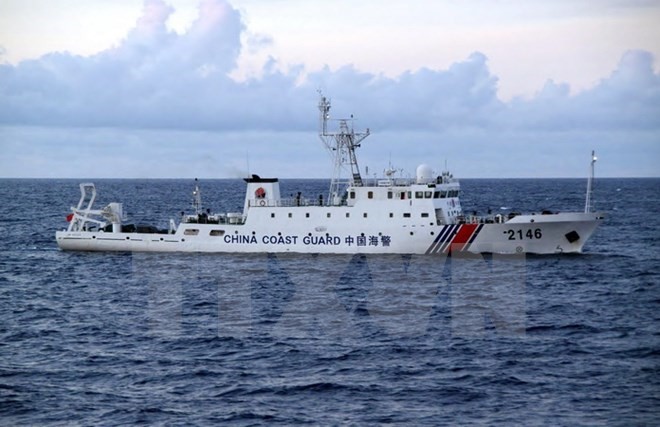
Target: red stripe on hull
{"x": 462, "y": 236}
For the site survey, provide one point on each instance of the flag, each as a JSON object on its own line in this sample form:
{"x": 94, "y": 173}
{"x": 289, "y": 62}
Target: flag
{"x": 69, "y": 217}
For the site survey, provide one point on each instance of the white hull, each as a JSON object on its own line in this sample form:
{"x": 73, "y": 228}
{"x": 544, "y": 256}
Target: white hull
{"x": 538, "y": 234}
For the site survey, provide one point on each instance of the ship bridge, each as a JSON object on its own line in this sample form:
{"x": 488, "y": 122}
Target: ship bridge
{"x": 426, "y": 194}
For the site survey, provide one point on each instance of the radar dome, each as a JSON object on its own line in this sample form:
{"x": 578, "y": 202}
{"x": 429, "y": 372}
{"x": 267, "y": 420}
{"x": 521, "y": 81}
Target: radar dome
{"x": 424, "y": 174}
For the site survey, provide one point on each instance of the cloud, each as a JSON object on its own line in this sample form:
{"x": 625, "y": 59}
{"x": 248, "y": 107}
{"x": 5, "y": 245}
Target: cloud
{"x": 632, "y": 91}
{"x": 157, "y": 79}
{"x": 628, "y": 99}
{"x": 257, "y": 42}
{"x": 153, "y": 78}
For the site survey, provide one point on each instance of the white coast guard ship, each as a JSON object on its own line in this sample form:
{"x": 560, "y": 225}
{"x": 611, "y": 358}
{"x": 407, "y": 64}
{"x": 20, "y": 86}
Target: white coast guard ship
{"x": 389, "y": 215}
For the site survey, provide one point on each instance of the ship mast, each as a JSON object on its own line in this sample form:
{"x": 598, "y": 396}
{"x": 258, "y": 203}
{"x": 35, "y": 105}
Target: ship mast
{"x": 197, "y": 198}
{"x": 341, "y": 145}
{"x": 588, "y": 204}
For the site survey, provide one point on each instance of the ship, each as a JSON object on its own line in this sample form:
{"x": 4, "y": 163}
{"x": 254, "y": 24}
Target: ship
{"x": 388, "y": 215}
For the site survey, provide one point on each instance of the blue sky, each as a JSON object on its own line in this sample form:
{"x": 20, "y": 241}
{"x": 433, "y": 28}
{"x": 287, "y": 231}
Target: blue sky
{"x": 185, "y": 88}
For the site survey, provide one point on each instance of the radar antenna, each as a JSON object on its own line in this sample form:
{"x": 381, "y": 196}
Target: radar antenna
{"x": 341, "y": 145}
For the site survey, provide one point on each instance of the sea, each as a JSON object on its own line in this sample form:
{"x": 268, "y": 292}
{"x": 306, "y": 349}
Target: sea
{"x": 265, "y": 339}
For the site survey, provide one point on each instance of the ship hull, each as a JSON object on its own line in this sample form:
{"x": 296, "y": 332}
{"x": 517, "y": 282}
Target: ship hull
{"x": 536, "y": 234}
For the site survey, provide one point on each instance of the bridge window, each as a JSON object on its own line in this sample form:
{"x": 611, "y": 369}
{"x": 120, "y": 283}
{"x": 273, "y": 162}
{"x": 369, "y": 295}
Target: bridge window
{"x": 306, "y": 214}
{"x": 436, "y": 195}
{"x": 428, "y": 194}
{"x": 364, "y": 215}
{"x": 419, "y": 195}
{"x": 272, "y": 215}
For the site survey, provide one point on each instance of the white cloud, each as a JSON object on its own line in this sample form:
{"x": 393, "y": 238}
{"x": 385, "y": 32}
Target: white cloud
{"x": 160, "y": 79}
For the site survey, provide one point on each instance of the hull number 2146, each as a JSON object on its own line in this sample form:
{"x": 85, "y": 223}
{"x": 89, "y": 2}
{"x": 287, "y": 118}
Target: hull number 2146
{"x": 521, "y": 235}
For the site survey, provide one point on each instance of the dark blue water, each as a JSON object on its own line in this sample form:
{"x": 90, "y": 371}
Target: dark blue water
{"x": 189, "y": 339}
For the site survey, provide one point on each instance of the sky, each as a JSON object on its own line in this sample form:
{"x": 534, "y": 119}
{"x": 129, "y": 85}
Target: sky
{"x": 220, "y": 88}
